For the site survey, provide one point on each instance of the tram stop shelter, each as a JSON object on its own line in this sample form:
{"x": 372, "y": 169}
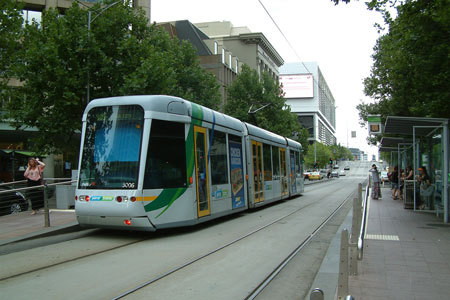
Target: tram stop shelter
{"x": 418, "y": 143}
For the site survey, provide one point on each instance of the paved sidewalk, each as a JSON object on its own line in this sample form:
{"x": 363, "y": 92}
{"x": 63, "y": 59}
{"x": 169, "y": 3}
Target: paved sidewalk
{"x": 22, "y": 226}
{"x": 416, "y": 266}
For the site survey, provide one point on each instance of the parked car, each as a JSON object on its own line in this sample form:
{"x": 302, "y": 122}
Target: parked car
{"x": 341, "y": 173}
{"x": 346, "y": 168}
{"x": 335, "y": 173}
{"x": 336, "y": 167}
{"x": 306, "y": 175}
{"x": 12, "y": 202}
{"x": 384, "y": 176}
{"x": 315, "y": 176}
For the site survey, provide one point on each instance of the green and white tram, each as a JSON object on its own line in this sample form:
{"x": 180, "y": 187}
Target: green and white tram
{"x": 150, "y": 162}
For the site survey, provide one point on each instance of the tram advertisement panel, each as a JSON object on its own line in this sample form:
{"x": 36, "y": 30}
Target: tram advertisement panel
{"x": 237, "y": 175}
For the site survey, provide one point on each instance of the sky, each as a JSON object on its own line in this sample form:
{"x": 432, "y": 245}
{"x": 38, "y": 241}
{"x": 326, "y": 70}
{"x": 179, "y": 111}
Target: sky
{"x": 339, "y": 38}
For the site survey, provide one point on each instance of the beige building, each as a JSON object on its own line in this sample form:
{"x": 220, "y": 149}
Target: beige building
{"x": 238, "y": 45}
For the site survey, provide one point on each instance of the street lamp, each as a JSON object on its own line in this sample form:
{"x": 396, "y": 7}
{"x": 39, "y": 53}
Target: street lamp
{"x": 90, "y": 20}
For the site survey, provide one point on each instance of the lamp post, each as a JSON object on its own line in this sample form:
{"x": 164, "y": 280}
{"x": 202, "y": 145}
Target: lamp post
{"x": 99, "y": 11}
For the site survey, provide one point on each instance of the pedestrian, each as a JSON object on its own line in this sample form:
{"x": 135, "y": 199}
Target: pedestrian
{"x": 376, "y": 191}
{"x": 394, "y": 183}
{"x": 425, "y": 188}
{"x": 33, "y": 174}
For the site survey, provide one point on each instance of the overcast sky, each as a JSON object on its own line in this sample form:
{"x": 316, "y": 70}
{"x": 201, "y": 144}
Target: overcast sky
{"x": 339, "y": 38}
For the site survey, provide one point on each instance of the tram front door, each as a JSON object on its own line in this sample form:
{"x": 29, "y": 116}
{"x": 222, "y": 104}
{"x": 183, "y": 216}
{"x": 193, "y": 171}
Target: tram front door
{"x": 258, "y": 183}
{"x": 201, "y": 172}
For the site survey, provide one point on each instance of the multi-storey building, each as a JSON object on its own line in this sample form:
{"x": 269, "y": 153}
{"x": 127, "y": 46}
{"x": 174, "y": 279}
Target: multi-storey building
{"x": 309, "y": 96}
{"x": 239, "y": 45}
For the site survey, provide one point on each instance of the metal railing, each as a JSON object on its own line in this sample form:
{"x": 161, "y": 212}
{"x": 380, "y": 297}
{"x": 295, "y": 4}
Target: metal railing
{"x": 352, "y": 245}
{"x": 14, "y": 200}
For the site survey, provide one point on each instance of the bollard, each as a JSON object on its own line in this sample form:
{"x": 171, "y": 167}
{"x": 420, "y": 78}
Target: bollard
{"x": 46, "y": 210}
{"x": 316, "y": 294}
{"x": 343, "y": 267}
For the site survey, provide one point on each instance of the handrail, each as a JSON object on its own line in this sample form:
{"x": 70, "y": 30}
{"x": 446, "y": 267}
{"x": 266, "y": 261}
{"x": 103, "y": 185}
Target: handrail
{"x": 362, "y": 231}
{"x": 37, "y": 186}
{"x": 24, "y": 181}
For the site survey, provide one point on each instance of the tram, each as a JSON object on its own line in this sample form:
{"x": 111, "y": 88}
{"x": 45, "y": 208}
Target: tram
{"x": 152, "y": 162}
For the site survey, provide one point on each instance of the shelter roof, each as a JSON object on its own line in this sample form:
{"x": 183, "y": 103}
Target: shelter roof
{"x": 405, "y": 125}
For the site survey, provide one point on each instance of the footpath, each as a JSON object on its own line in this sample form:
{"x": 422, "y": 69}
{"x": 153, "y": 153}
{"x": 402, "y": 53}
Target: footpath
{"x": 406, "y": 254}
{"x": 23, "y": 226}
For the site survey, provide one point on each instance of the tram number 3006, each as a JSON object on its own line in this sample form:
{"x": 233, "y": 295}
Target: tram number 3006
{"x": 128, "y": 185}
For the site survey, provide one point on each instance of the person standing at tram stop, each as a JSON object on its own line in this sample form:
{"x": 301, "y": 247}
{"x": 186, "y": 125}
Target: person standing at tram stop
{"x": 424, "y": 183}
{"x": 407, "y": 175}
{"x": 394, "y": 183}
{"x": 376, "y": 192}
{"x": 33, "y": 174}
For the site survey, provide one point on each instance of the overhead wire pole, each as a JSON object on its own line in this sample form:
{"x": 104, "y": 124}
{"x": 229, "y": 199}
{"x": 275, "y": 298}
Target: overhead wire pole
{"x": 90, "y": 20}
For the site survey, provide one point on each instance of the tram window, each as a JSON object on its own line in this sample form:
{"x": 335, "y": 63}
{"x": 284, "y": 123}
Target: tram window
{"x": 166, "y": 157}
{"x": 234, "y": 138}
{"x": 218, "y": 154}
{"x": 276, "y": 161}
{"x": 112, "y": 147}
{"x": 267, "y": 159}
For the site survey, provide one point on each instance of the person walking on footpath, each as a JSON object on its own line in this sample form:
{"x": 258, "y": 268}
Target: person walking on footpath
{"x": 33, "y": 174}
{"x": 376, "y": 192}
{"x": 394, "y": 182}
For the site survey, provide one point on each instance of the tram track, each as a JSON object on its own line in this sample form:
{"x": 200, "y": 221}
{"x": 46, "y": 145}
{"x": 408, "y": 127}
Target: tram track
{"x": 48, "y": 266}
{"x": 270, "y": 277}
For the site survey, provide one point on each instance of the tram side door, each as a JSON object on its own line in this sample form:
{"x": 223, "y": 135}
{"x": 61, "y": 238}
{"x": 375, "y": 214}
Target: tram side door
{"x": 284, "y": 185}
{"x": 258, "y": 183}
{"x": 201, "y": 172}
{"x": 293, "y": 174}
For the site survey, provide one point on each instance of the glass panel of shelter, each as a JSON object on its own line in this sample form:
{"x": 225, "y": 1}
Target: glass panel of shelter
{"x": 428, "y": 157}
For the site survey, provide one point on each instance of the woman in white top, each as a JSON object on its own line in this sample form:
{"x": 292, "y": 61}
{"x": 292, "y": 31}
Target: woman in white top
{"x": 33, "y": 174}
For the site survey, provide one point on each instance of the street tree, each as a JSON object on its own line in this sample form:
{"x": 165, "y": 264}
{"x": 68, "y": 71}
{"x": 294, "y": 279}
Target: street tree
{"x": 318, "y": 152}
{"x": 411, "y": 68}
{"x": 259, "y": 101}
{"x": 120, "y": 55}
{"x": 10, "y": 34}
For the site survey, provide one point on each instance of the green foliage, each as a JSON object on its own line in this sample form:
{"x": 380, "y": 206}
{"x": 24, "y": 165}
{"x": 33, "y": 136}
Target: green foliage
{"x": 324, "y": 153}
{"x": 10, "y": 35}
{"x": 411, "y": 67}
{"x": 122, "y": 55}
{"x": 249, "y": 91}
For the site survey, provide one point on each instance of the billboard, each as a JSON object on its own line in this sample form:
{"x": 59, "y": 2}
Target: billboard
{"x": 298, "y": 86}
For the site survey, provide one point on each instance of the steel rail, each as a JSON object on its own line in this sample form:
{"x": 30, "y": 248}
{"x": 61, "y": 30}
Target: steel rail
{"x": 283, "y": 264}
{"x": 130, "y": 291}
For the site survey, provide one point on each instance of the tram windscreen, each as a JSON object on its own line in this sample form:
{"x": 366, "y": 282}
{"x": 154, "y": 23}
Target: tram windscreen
{"x": 112, "y": 146}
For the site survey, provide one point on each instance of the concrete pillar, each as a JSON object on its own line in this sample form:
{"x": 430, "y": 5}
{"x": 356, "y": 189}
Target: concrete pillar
{"x": 50, "y": 4}
{"x": 146, "y": 6}
{"x": 49, "y": 171}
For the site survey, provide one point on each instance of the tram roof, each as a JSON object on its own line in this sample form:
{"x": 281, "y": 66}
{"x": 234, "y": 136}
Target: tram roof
{"x": 265, "y": 134}
{"x": 169, "y": 104}
{"x": 294, "y": 144}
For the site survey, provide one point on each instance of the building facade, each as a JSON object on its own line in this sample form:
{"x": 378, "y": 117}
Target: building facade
{"x": 308, "y": 95}
{"x": 238, "y": 45}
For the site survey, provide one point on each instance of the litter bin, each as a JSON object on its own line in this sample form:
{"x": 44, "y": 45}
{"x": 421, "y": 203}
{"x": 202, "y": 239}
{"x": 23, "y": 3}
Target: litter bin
{"x": 65, "y": 196}
{"x": 408, "y": 193}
